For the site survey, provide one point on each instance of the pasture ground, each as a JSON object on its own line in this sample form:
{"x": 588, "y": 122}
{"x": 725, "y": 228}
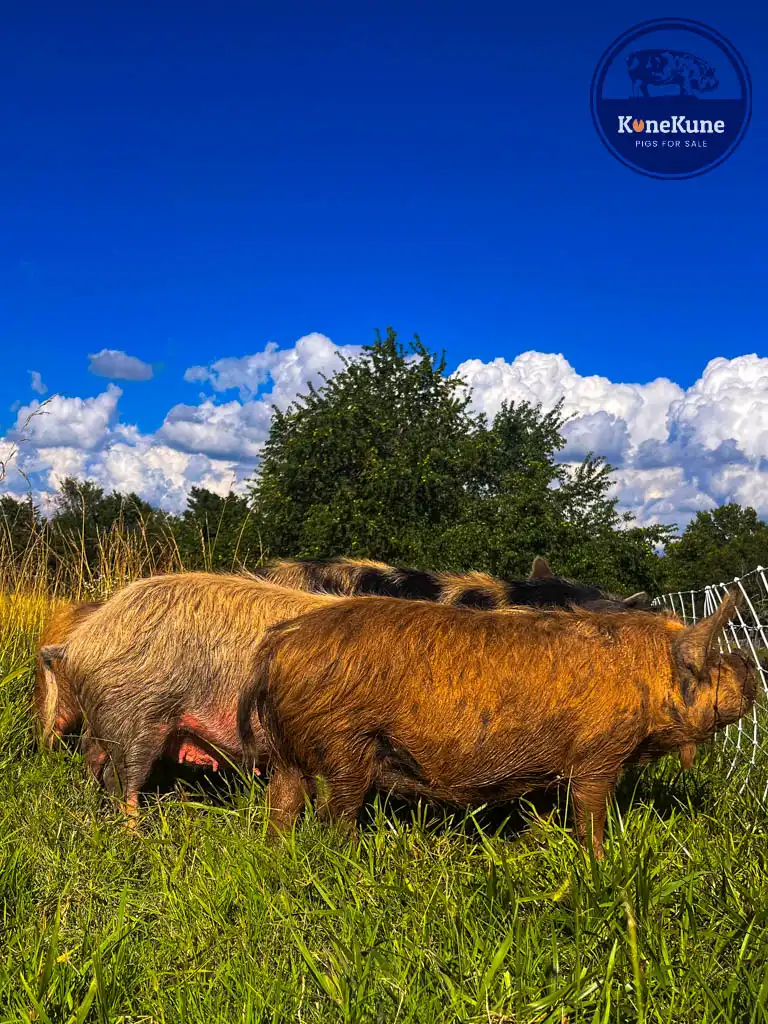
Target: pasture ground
{"x": 194, "y": 919}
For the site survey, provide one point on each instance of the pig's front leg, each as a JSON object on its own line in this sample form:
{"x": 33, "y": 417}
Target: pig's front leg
{"x": 590, "y": 795}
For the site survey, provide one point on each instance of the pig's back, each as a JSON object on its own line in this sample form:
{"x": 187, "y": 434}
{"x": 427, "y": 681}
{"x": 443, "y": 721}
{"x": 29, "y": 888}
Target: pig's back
{"x": 182, "y": 632}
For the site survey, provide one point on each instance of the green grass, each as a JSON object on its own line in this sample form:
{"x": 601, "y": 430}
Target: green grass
{"x": 194, "y": 918}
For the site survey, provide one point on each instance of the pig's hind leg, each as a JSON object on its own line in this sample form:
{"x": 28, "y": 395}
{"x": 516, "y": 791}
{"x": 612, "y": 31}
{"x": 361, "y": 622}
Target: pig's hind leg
{"x": 345, "y": 784}
{"x": 341, "y": 798}
{"x": 286, "y": 795}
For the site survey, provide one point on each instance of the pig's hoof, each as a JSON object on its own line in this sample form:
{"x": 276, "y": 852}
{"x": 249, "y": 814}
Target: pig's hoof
{"x": 131, "y": 811}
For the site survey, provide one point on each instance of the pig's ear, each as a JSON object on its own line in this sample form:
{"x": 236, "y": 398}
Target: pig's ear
{"x": 540, "y": 569}
{"x": 638, "y": 600}
{"x": 698, "y": 643}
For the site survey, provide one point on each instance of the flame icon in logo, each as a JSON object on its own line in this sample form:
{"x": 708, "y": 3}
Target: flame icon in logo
{"x": 638, "y": 125}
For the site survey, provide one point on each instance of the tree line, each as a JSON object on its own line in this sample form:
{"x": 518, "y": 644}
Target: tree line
{"x": 386, "y": 460}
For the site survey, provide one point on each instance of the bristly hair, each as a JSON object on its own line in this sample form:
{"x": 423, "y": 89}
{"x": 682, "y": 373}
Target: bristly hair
{"x": 361, "y": 577}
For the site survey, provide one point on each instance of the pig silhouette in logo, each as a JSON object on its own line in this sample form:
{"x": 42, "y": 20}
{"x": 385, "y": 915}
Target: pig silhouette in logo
{"x": 670, "y": 67}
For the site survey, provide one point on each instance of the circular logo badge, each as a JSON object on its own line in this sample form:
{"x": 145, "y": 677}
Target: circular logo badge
{"x": 671, "y": 98}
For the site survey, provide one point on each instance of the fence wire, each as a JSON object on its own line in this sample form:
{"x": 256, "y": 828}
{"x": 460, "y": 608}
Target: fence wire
{"x": 746, "y": 742}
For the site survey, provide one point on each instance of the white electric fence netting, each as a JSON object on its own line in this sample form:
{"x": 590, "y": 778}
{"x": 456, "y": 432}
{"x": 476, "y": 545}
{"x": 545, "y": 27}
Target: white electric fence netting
{"x": 746, "y": 742}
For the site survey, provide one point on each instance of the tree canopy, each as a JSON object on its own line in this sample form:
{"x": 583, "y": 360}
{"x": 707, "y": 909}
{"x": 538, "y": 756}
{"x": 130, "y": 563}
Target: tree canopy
{"x": 216, "y": 532}
{"x": 715, "y": 547}
{"x": 385, "y": 459}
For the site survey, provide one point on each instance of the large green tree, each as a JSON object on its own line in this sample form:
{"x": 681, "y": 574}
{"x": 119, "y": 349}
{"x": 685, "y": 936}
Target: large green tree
{"x": 375, "y": 462}
{"x": 386, "y": 460}
{"x": 716, "y": 546}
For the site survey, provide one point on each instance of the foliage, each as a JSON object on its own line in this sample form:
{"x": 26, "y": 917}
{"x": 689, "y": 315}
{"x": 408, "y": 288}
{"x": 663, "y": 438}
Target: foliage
{"x": 716, "y": 546}
{"x": 84, "y": 515}
{"x": 371, "y": 464}
{"x": 386, "y": 460}
{"x": 217, "y": 532}
{"x": 94, "y": 541}
{"x": 18, "y": 522}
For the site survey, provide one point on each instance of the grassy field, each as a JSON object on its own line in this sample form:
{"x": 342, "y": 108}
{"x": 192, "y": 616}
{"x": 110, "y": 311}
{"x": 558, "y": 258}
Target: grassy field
{"x": 194, "y": 918}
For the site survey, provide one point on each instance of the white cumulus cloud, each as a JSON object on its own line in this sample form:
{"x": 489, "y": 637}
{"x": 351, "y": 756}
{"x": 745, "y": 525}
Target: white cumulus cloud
{"x": 157, "y": 473}
{"x": 545, "y": 378}
{"x": 162, "y": 475}
{"x": 113, "y": 363}
{"x": 231, "y": 430}
{"x": 729, "y": 403}
{"x": 676, "y": 451}
{"x": 212, "y": 444}
{"x": 290, "y": 370}
{"x": 238, "y": 428}
{"x": 62, "y": 422}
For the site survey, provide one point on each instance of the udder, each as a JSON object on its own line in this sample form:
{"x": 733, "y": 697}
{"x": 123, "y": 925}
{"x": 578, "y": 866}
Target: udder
{"x": 206, "y": 741}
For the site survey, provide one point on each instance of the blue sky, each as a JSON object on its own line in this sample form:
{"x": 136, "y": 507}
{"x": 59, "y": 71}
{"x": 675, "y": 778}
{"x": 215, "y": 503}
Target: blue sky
{"x": 188, "y": 182}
